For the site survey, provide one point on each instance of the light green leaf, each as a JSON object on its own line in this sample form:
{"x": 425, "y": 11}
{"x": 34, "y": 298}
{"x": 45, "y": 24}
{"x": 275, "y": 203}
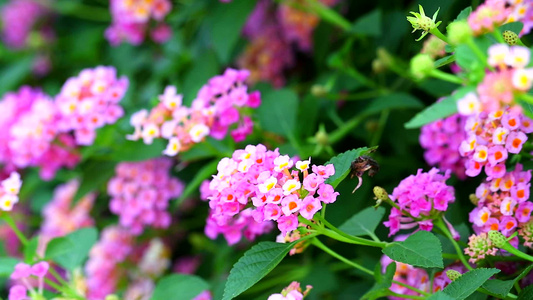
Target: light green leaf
{"x": 469, "y": 282}
{"x": 30, "y": 250}
{"x": 444, "y": 61}
{"x": 343, "y": 164}
{"x": 278, "y": 111}
{"x": 421, "y": 249}
{"x": 254, "y": 265}
{"x": 463, "y": 15}
{"x": 186, "y": 286}
{"x": 383, "y": 282}
{"x": 364, "y": 222}
{"x": 7, "y": 265}
{"x": 71, "y": 250}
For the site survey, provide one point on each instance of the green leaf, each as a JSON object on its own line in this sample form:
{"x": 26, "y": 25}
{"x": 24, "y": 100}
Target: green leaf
{"x": 71, "y": 250}
{"x": 526, "y": 293}
{"x": 383, "y": 282}
{"x": 369, "y": 24}
{"x": 469, "y": 282}
{"x": 515, "y": 27}
{"x": 30, "y": 250}
{"x": 95, "y": 174}
{"x": 364, "y": 222}
{"x": 463, "y": 15}
{"x": 343, "y": 164}
{"x": 438, "y": 110}
{"x": 421, "y": 249}
{"x": 205, "y": 67}
{"x": 278, "y": 111}
{"x": 466, "y": 57}
{"x": 14, "y": 73}
{"x": 440, "y": 296}
{"x": 226, "y": 24}
{"x": 502, "y": 287}
{"x": 527, "y": 108}
{"x": 444, "y": 61}
{"x": 205, "y": 173}
{"x": 137, "y": 150}
{"x": 186, "y": 286}
{"x": 392, "y": 101}
{"x": 7, "y": 265}
{"x": 254, "y": 265}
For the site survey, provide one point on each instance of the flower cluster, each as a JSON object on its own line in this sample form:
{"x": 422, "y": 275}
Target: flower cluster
{"x": 131, "y": 20}
{"x": 503, "y": 203}
{"x": 9, "y": 191}
{"x": 102, "y": 272}
{"x": 490, "y": 137}
{"x": 30, "y": 134}
{"x": 488, "y": 15}
{"x": 521, "y": 11}
{"x": 89, "y": 101}
{"x": 420, "y": 199}
{"x": 23, "y": 273}
{"x": 479, "y": 247}
{"x": 406, "y": 274}
{"x": 272, "y": 30}
{"x": 141, "y": 192}
{"x": 60, "y": 217}
{"x": 291, "y": 292}
{"x": 19, "y": 18}
{"x": 264, "y": 179}
{"x": 441, "y": 140}
{"x": 218, "y": 106}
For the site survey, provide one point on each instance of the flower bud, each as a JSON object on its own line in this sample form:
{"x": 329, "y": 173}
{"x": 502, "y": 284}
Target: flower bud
{"x": 473, "y": 199}
{"x": 380, "y": 193}
{"x": 459, "y": 32}
{"x": 497, "y": 238}
{"x": 112, "y": 297}
{"x": 322, "y": 137}
{"x": 421, "y": 66}
{"x": 453, "y": 274}
{"x": 318, "y": 90}
{"x": 510, "y": 37}
{"x": 421, "y": 22}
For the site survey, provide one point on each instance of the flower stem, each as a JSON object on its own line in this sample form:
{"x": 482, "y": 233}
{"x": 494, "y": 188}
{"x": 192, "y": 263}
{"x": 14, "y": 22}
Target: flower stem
{"x": 334, "y": 233}
{"x": 440, "y": 224}
{"x": 445, "y": 76}
{"x": 436, "y": 32}
{"x": 509, "y": 248}
{"x": 9, "y": 221}
{"x": 406, "y": 296}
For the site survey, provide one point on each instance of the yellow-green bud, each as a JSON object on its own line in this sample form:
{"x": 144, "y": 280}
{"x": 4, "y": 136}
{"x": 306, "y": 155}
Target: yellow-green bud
{"x": 378, "y": 66}
{"x": 459, "y": 32}
{"x": 384, "y": 57}
{"x": 422, "y": 65}
{"x": 473, "y": 199}
{"x": 112, "y": 297}
{"x": 497, "y": 238}
{"x": 322, "y": 137}
{"x": 318, "y": 90}
{"x": 453, "y": 274}
{"x": 380, "y": 193}
{"x": 510, "y": 37}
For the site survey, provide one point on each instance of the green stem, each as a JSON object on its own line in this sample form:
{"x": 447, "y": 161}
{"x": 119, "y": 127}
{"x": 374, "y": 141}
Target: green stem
{"x": 440, "y": 224}
{"x": 509, "y": 248}
{"x": 498, "y": 35}
{"x": 527, "y": 98}
{"x": 436, "y": 32}
{"x": 9, "y": 220}
{"x": 381, "y": 127}
{"x": 445, "y": 76}
{"x": 406, "y": 296}
{"x": 53, "y": 284}
{"x": 480, "y": 55}
{"x": 348, "y": 127}
{"x": 329, "y": 15}
{"x": 58, "y": 277}
{"x": 337, "y": 234}
{"x": 357, "y": 96}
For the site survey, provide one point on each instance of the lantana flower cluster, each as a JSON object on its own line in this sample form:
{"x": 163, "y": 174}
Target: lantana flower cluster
{"x": 61, "y": 217}
{"x": 479, "y": 247}
{"x": 89, "y": 101}
{"x": 489, "y": 15}
{"x": 291, "y": 292}
{"x": 420, "y": 199}
{"x": 23, "y": 274}
{"x": 132, "y": 18}
{"x": 441, "y": 140}
{"x": 141, "y": 192}
{"x": 19, "y": 18}
{"x": 265, "y": 179}
{"x": 9, "y": 191}
{"x": 219, "y": 105}
{"x": 503, "y": 203}
{"x": 491, "y": 137}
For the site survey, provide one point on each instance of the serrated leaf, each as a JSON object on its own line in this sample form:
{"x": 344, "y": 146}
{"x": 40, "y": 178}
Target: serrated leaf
{"x": 7, "y": 265}
{"x": 383, "y": 283}
{"x": 438, "y": 110}
{"x": 444, "y": 61}
{"x": 278, "y": 111}
{"x": 526, "y": 293}
{"x": 343, "y": 164}
{"x": 502, "y": 287}
{"x": 186, "y": 286}
{"x": 254, "y": 265}
{"x": 364, "y": 222}
{"x": 440, "y": 296}
{"x": 71, "y": 250}
{"x": 421, "y": 249}
{"x": 469, "y": 282}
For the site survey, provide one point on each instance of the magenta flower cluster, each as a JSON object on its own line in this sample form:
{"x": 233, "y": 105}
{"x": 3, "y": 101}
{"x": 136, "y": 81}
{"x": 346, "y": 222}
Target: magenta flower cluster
{"x": 22, "y": 275}
{"x": 141, "y": 192}
{"x": 503, "y": 203}
{"x": 89, "y": 101}
{"x": 441, "y": 140}
{"x": 265, "y": 179}
{"x": 490, "y": 139}
{"x": 19, "y": 18}
{"x": 132, "y": 18}
{"x": 420, "y": 198}
{"x": 219, "y": 105}
{"x": 102, "y": 270}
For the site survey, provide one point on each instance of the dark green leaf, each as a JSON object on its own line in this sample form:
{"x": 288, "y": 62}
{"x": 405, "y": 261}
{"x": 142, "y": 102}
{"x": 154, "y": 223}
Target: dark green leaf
{"x": 278, "y": 111}
{"x": 515, "y": 27}
{"x": 502, "y": 287}
{"x": 205, "y": 173}
{"x": 254, "y": 265}
{"x": 205, "y": 67}
{"x": 526, "y": 293}
{"x": 421, "y": 249}
{"x": 94, "y": 175}
{"x": 364, "y": 222}
{"x": 71, "y": 250}
{"x": 392, "y": 101}
{"x": 469, "y": 282}
{"x": 369, "y": 24}
{"x": 137, "y": 150}
{"x": 343, "y": 164}
{"x": 440, "y": 296}
{"x": 383, "y": 283}
{"x": 186, "y": 286}
{"x": 7, "y": 265}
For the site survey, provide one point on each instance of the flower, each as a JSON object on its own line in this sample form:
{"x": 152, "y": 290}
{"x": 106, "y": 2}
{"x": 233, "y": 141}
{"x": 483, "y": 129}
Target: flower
{"x": 487, "y": 16}
{"x": 421, "y": 22}
{"x": 9, "y": 191}
{"x": 20, "y": 17}
{"x": 479, "y": 247}
{"x": 291, "y": 292}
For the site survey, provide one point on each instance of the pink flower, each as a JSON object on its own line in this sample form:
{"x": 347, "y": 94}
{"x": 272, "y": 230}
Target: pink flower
{"x": 18, "y": 292}
{"x": 514, "y": 141}
{"x": 312, "y": 182}
{"x": 21, "y": 271}
{"x": 40, "y": 269}
{"x": 310, "y": 205}
{"x": 326, "y": 193}
{"x": 324, "y": 171}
